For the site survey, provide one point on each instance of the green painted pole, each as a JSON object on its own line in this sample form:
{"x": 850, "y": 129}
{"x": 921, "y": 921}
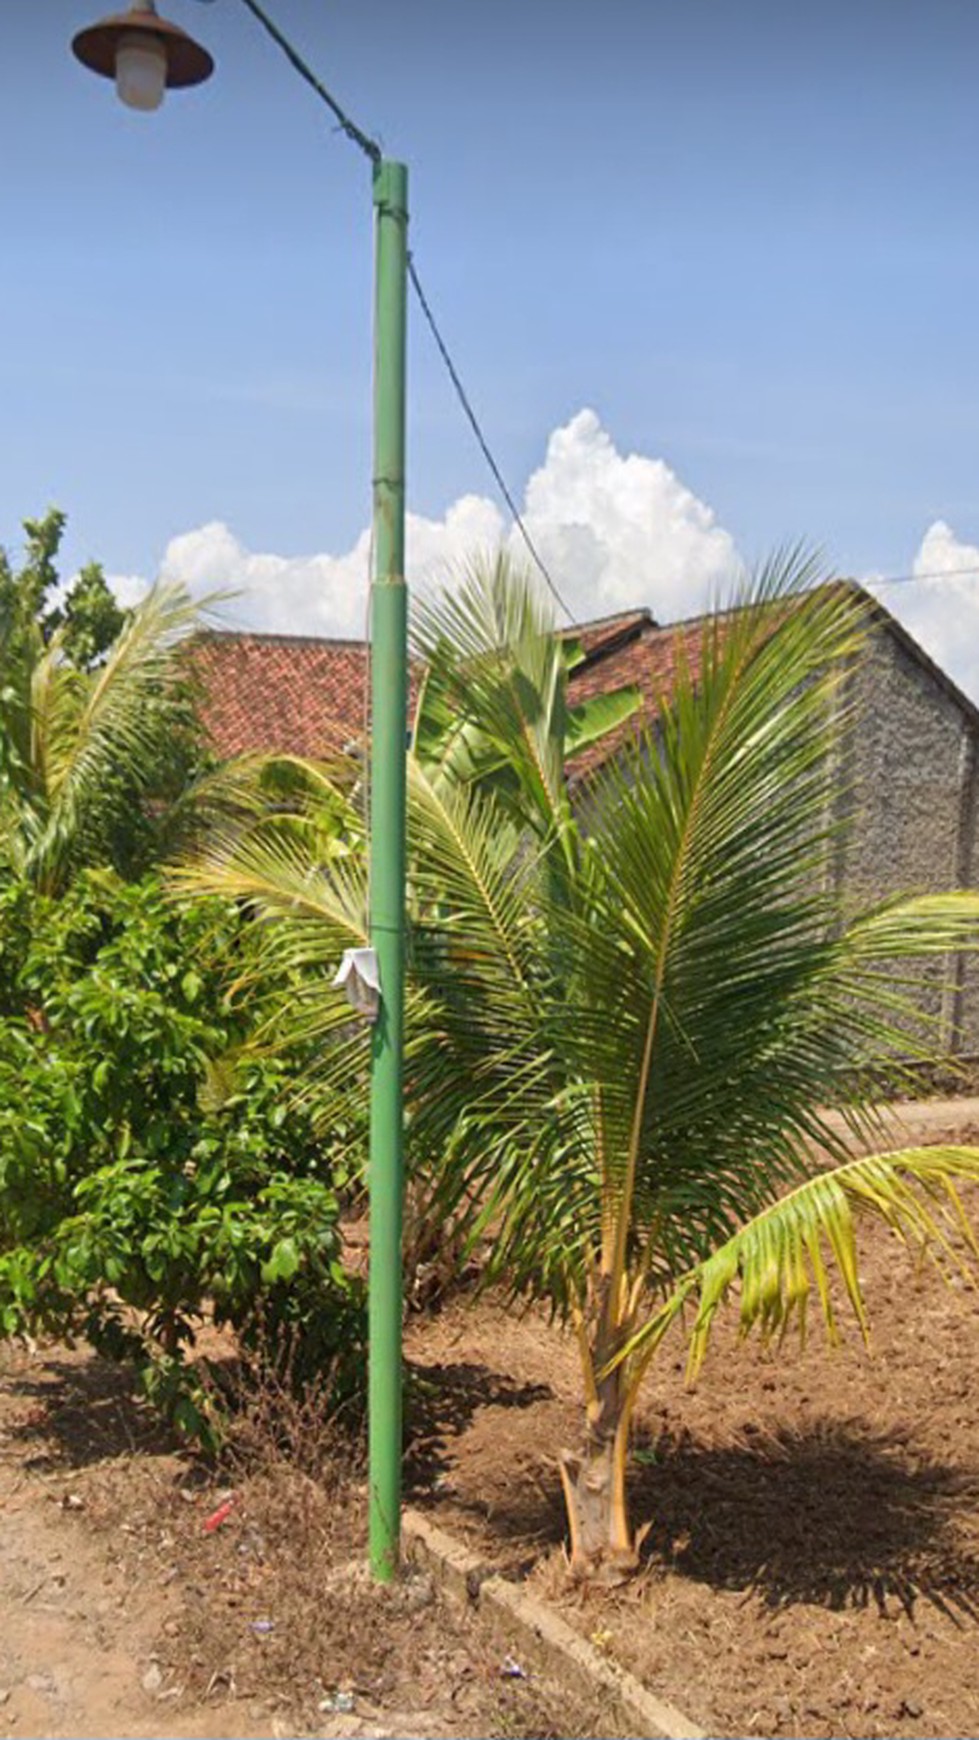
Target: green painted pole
{"x": 389, "y": 691}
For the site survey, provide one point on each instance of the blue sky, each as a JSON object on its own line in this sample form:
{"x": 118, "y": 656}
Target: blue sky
{"x": 709, "y": 268}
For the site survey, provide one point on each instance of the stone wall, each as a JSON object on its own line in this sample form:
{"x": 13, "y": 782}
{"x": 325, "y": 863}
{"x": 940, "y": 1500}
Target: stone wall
{"x": 909, "y": 773}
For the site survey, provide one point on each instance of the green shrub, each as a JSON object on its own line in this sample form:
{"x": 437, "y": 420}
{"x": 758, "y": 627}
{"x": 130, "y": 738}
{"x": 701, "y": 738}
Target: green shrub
{"x": 148, "y": 1170}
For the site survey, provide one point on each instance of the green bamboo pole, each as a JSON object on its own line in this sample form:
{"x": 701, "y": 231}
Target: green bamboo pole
{"x": 389, "y": 689}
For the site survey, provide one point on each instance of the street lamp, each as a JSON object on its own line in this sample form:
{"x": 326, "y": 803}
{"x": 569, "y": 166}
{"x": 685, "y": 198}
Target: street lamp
{"x": 146, "y": 55}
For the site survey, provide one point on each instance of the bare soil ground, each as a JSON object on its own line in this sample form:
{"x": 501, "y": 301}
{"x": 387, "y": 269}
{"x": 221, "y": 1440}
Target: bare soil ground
{"x": 812, "y": 1566}
{"x": 121, "y": 1615}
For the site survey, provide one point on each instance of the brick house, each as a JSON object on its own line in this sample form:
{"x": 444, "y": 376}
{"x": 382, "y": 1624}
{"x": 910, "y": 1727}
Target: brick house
{"x": 911, "y": 774}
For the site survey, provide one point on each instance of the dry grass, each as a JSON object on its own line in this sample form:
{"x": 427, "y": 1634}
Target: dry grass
{"x": 275, "y": 1606}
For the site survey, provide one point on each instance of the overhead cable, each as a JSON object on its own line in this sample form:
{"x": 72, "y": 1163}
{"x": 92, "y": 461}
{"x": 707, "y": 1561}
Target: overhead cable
{"x": 372, "y": 150}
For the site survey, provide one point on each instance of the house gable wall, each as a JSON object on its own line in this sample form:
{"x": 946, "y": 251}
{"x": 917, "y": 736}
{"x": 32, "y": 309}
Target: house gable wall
{"x": 909, "y": 783}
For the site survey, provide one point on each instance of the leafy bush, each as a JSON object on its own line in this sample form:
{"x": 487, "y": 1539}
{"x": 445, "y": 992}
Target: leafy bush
{"x": 148, "y": 1167}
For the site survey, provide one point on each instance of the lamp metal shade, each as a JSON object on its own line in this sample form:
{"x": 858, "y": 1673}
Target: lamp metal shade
{"x": 187, "y": 62}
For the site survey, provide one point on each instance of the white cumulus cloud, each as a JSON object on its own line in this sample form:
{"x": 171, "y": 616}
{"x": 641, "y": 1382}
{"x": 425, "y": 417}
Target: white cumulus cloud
{"x": 620, "y": 530}
{"x": 941, "y": 609}
{"x": 613, "y": 530}
{"x": 320, "y": 594}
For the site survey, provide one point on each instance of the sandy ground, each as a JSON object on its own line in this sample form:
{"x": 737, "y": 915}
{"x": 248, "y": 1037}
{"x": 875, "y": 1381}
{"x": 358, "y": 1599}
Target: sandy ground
{"x": 79, "y": 1635}
{"x": 122, "y": 1615}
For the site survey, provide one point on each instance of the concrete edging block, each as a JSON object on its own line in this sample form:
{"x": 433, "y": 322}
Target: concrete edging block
{"x": 530, "y": 1628}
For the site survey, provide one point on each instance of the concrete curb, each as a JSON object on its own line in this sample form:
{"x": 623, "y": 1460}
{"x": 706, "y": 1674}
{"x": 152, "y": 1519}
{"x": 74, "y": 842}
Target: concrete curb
{"x": 535, "y": 1633}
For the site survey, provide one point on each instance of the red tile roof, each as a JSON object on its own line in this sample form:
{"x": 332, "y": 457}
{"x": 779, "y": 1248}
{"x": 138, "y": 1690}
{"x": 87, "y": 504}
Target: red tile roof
{"x": 279, "y": 693}
{"x": 604, "y": 633}
{"x": 646, "y": 656}
{"x": 288, "y": 693}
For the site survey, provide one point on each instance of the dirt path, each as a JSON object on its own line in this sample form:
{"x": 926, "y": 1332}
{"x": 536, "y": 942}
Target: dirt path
{"x": 78, "y": 1635}
{"x": 908, "y": 1121}
{"x": 122, "y": 1615}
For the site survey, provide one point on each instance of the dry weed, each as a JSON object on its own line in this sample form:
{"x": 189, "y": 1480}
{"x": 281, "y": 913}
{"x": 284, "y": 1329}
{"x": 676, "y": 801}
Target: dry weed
{"x": 278, "y": 1603}
{"x": 273, "y": 1605}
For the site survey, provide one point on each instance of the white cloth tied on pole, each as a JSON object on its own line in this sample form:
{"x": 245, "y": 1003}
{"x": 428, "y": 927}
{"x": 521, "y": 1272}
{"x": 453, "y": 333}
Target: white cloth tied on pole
{"x": 359, "y": 976}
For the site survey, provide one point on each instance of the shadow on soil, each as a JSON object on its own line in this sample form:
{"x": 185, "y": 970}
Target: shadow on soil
{"x": 441, "y": 1401}
{"x": 838, "y": 1515}
{"x": 81, "y": 1414}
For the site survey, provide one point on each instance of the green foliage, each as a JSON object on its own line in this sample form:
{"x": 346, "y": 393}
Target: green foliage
{"x": 24, "y": 592}
{"x": 789, "y": 1249}
{"x": 99, "y": 740}
{"x": 148, "y": 1169}
{"x": 650, "y": 1015}
{"x": 630, "y": 1008}
{"x": 91, "y": 617}
{"x": 87, "y": 611}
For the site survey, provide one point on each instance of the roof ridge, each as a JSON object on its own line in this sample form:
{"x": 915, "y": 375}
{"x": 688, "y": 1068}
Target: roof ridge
{"x": 591, "y": 622}
{"x": 261, "y": 634}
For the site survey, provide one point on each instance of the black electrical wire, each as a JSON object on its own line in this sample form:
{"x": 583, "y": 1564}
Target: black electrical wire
{"x": 464, "y": 401}
{"x": 367, "y": 145}
{"x": 372, "y": 150}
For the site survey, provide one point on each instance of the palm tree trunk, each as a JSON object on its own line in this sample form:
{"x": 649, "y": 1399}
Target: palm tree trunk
{"x": 594, "y": 1486}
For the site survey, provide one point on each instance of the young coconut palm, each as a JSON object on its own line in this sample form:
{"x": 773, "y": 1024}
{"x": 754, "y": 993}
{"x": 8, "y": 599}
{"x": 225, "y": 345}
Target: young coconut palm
{"x": 80, "y": 749}
{"x": 633, "y": 1007}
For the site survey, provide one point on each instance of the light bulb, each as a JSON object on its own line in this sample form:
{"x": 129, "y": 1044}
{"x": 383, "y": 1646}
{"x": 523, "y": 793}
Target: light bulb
{"x": 141, "y": 70}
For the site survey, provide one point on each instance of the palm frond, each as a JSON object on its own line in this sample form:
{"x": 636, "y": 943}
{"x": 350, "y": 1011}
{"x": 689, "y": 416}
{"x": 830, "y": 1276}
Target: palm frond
{"x": 794, "y": 1248}
{"x": 697, "y": 1001}
{"x": 713, "y": 941}
{"x": 224, "y": 803}
{"x": 493, "y": 706}
{"x": 308, "y": 903}
{"x": 623, "y": 1022}
{"x": 271, "y": 870}
{"x": 93, "y": 732}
